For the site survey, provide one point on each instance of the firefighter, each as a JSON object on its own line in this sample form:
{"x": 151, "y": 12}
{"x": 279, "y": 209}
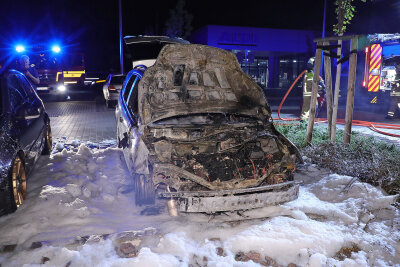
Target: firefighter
{"x": 307, "y": 88}
{"x": 395, "y": 96}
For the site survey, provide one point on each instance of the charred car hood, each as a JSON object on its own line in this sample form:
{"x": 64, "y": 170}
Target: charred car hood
{"x": 191, "y": 79}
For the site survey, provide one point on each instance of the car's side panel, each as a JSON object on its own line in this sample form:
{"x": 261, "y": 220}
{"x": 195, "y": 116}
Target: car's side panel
{"x": 127, "y": 127}
{"x": 8, "y": 152}
{"x": 33, "y": 124}
{"x": 19, "y": 128}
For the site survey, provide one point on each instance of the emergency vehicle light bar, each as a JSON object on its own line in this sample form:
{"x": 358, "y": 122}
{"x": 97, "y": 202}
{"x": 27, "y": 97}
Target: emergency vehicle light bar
{"x": 55, "y": 49}
{"x": 20, "y": 48}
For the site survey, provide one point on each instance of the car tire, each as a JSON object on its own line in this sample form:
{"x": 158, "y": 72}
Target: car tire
{"x": 144, "y": 190}
{"x": 111, "y": 104}
{"x": 15, "y": 186}
{"x": 48, "y": 142}
{"x": 118, "y": 140}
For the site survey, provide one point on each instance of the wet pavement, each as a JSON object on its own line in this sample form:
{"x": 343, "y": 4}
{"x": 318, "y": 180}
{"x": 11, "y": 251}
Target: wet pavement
{"x": 83, "y": 121}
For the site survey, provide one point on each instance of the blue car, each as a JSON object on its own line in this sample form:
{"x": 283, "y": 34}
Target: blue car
{"x": 25, "y": 133}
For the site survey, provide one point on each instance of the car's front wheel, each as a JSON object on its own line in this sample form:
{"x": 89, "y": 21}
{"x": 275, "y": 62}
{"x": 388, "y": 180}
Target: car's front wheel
{"x": 144, "y": 190}
{"x": 16, "y": 186}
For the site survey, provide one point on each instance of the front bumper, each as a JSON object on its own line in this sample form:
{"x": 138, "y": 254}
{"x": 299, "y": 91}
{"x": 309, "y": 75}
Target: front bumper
{"x": 113, "y": 96}
{"x": 51, "y": 90}
{"x": 232, "y": 200}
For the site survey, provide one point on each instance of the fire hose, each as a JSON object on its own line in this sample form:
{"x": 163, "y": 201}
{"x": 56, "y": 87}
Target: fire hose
{"x": 375, "y": 126}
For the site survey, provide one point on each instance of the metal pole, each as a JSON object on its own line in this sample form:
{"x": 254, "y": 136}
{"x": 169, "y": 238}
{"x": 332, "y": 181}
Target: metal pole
{"x": 323, "y": 34}
{"x": 121, "y": 48}
{"x": 323, "y": 23}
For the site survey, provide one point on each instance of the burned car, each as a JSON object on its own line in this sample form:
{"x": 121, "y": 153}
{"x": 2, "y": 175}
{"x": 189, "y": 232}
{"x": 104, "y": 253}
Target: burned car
{"x": 197, "y": 131}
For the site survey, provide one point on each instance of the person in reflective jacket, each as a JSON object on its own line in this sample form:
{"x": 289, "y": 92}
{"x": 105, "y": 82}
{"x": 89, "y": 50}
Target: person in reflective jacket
{"x": 307, "y": 88}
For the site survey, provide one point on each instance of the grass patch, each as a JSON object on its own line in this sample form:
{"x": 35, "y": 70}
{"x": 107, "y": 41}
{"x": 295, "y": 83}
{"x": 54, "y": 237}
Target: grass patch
{"x": 367, "y": 158}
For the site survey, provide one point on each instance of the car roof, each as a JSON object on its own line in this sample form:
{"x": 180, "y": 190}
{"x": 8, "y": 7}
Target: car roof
{"x": 10, "y": 71}
{"x": 146, "y": 38}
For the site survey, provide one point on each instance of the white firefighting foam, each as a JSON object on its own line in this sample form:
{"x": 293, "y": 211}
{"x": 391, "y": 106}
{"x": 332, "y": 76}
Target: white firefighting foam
{"x": 89, "y": 191}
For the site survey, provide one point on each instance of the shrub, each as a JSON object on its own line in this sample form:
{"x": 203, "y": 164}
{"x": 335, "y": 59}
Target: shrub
{"x": 371, "y": 160}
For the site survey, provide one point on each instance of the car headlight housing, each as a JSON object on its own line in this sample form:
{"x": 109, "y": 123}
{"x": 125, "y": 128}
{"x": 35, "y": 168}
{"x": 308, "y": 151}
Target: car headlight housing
{"x": 61, "y": 88}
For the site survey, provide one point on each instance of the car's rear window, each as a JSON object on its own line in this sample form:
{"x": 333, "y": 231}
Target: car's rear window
{"x": 147, "y": 50}
{"x": 117, "y": 79}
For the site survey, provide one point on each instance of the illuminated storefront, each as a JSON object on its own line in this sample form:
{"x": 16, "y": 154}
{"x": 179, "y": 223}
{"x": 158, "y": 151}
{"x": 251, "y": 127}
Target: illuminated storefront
{"x": 272, "y": 57}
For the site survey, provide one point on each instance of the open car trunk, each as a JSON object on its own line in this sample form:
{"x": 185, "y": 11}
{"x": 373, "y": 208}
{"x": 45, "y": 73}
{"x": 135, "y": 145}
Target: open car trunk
{"x": 144, "y": 50}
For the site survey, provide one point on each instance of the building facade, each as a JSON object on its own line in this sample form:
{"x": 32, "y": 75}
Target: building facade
{"x": 272, "y": 57}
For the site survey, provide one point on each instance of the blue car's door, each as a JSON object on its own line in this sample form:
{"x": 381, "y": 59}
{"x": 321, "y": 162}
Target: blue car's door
{"x": 124, "y": 116}
{"x": 127, "y": 121}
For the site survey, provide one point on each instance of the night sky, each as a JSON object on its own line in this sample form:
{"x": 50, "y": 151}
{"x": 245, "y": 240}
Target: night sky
{"x": 92, "y": 26}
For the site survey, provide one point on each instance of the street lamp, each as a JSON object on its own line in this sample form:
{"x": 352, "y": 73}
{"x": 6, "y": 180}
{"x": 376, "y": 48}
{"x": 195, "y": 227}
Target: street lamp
{"x": 121, "y": 49}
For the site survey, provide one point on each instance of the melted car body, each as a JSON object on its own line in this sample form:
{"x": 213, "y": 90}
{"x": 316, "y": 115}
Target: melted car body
{"x": 197, "y": 129}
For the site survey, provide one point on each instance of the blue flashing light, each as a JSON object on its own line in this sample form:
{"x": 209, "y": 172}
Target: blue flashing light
{"x": 20, "y": 48}
{"x": 56, "y": 49}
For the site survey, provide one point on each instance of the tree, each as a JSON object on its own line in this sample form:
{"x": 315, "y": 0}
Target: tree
{"x": 179, "y": 23}
{"x": 344, "y": 14}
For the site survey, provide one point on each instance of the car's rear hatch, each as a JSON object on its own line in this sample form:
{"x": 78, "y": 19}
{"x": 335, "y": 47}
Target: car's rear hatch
{"x": 144, "y": 50}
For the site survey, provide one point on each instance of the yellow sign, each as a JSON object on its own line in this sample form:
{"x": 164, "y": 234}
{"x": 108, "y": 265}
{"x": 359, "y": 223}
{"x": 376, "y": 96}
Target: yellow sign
{"x": 73, "y": 74}
{"x": 69, "y": 74}
{"x": 373, "y": 101}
